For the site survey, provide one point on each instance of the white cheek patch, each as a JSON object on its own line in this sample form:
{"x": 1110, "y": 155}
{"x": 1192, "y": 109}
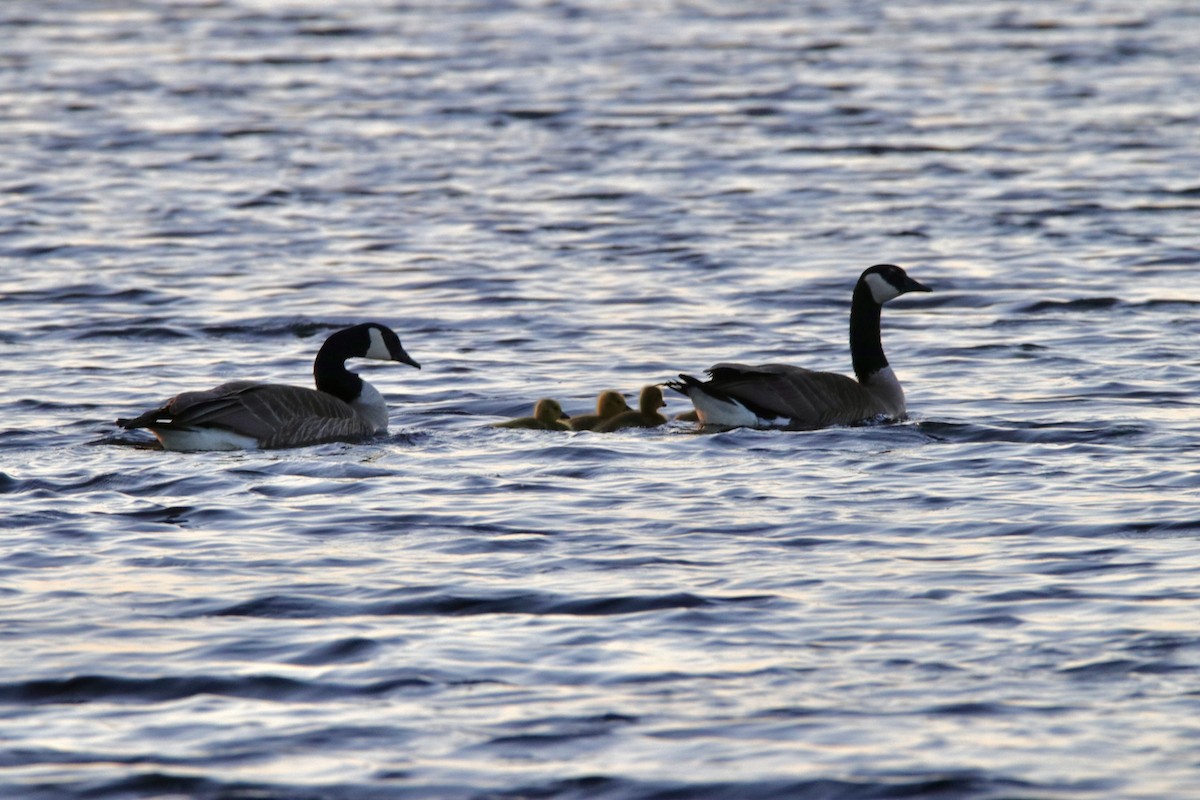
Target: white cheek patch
{"x": 881, "y": 289}
{"x": 378, "y": 348}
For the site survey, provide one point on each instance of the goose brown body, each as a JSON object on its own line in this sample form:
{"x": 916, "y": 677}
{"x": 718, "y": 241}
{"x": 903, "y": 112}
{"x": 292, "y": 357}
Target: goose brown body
{"x": 273, "y": 415}
{"x": 781, "y": 395}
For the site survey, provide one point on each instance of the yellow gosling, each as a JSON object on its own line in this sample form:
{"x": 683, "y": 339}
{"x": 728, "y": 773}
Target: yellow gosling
{"x": 608, "y": 405}
{"x": 547, "y": 416}
{"x": 647, "y": 416}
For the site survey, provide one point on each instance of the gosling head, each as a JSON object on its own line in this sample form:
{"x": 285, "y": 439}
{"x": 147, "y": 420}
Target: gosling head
{"x": 609, "y": 404}
{"x": 651, "y": 400}
{"x": 548, "y": 411}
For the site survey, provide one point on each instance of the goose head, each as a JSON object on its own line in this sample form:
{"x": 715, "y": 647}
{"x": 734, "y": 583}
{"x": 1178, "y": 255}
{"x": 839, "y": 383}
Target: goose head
{"x": 887, "y": 282}
{"x": 378, "y": 342}
{"x": 366, "y": 340}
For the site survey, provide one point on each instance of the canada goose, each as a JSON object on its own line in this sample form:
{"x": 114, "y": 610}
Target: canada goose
{"x": 608, "y": 405}
{"x": 547, "y": 416}
{"x": 248, "y": 414}
{"x": 647, "y": 416}
{"x": 777, "y": 395}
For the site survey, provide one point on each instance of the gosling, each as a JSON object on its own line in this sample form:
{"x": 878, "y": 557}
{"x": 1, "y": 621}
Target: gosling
{"x": 608, "y": 405}
{"x": 647, "y": 416}
{"x": 547, "y": 416}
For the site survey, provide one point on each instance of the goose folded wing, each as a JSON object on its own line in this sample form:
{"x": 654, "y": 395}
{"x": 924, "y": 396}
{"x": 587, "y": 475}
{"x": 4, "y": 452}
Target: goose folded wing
{"x": 316, "y": 430}
{"x": 188, "y": 410}
{"x": 276, "y": 415}
{"x": 780, "y": 391}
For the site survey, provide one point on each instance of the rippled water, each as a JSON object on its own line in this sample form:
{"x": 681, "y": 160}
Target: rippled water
{"x": 995, "y": 599}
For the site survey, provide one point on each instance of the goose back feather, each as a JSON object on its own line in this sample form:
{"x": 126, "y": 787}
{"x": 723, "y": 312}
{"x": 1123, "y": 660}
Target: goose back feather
{"x": 273, "y": 415}
{"x": 781, "y": 395}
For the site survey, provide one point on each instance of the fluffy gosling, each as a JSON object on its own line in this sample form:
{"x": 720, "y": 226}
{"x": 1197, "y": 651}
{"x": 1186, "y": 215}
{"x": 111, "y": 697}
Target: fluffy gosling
{"x": 647, "y": 416}
{"x": 608, "y": 405}
{"x": 547, "y": 416}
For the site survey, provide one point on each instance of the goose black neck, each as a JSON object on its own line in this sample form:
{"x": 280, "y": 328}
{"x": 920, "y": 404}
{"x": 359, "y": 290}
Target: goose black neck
{"x": 329, "y": 369}
{"x": 866, "y": 348}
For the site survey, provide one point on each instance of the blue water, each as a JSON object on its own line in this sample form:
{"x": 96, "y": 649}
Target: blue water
{"x": 996, "y": 598}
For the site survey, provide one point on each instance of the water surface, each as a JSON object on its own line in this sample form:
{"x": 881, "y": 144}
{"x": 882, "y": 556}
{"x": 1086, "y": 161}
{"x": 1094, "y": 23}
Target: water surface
{"x": 996, "y": 598}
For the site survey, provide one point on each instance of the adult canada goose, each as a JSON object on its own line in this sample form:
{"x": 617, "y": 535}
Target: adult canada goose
{"x": 647, "y": 416}
{"x": 248, "y": 414}
{"x": 608, "y": 405}
{"x": 777, "y": 395}
{"x": 547, "y": 416}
